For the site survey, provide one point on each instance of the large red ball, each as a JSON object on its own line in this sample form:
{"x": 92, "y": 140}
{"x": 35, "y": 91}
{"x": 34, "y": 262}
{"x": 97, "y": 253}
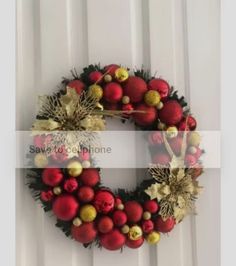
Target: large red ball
{"x": 111, "y": 69}
{"x": 161, "y": 158}
{"x": 52, "y": 176}
{"x": 135, "y": 88}
{"x": 65, "y": 207}
{"x": 112, "y": 92}
{"x": 151, "y": 206}
{"x": 76, "y": 84}
{"x": 161, "y": 86}
{"x": 105, "y": 224}
{"x": 113, "y": 240}
{"x": 104, "y": 201}
{"x": 176, "y": 144}
{"x": 95, "y": 77}
{"x": 90, "y": 177}
{"x": 134, "y": 243}
{"x": 84, "y": 233}
{"x": 164, "y": 226}
{"x": 134, "y": 211}
{"x": 148, "y": 116}
{"x": 119, "y": 218}
{"x": 86, "y": 194}
{"x": 147, "y": 226}
{"x": 171, "y": 113}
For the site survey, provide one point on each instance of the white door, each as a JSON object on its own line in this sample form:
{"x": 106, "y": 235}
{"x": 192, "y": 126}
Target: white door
{"x": 177, "y": 38}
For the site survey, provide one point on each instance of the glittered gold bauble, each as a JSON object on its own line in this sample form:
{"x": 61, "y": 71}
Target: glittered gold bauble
{"x": 160, "y": 105}
{"x": 121, "y": 74}
{"x": 57, "y": 190}
{"x": 77, "y": 221}
{"x": 88, "y": 213}
{"x": 86, "y": 164}
{"x": 107, "y": 78}
{"x": 194, "y": 139}
{"x": 135, "y": 232}
{"x": 153, "y": 237}
{"x": 125, "y": 229}
{"x": 95, "y": 91}
{"x": 147, "y": 215}
{"x": 161, "y": 126}
{"x": 172, "y": 132}
{"x": 74, "y": 168}
{"x": 120, "y": 206}
{"x": 125, "y": 99}
{"x": 152, "y": 98}
{"x": 40, "y": 160}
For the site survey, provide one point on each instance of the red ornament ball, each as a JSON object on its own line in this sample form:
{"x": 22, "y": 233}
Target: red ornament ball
{"x": 164, "y": 226}
{"x": 161, "y": 158}
{"x": 113, "y": 240}
{"x": 112, "y": 92}
{"x": 161, "y": 86}
{"x": 134, "y": 211}
{"x": 118, "y": 201}
{"x": 190, "y": 160}
{"x": 104, "y": 201}
{"x": 192, "y": 123}
{"x": 182, "y": 126}
{"x": 119, "y": 218}
{"x": 65, "y": 207}
{"x": 86, "y": 194}
{"x": 71, "y": 184}
{"x": 134, "y": 243}
{"x": 151, "y": 206}
{"x": 135, "y": 88}
{"x": 176, "y": 144}
{"x": 52, "y": 176}
{"x": 111, "y": 69}
{"x": 84, "y": 233}
{"x": 76, "y": 84}
{"x": 46, "y": 196}
{"x": 171, "y": 113}
{"x": 147, "y": 226}
{"x": 90, "y": 177}
{"x": 155, "y": 138}
{"x": 105, "y": 224}
{"x": 146, "y": 118}
{"x": 95, "y": 77}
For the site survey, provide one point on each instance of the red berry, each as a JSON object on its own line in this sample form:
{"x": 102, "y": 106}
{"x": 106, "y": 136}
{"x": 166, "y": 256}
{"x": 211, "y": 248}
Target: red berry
{"x": 147, "y": 226}
{"x": 151, "y": 206}
{"x": 76, "y": 84}
{"x": 52, "y": 176}
{"x": 70, "y": 184}
{"x": 95, "y": 77}
{"x": 148, "y": 116}
{"x": 134, "y": 243}
{"x": 105, "y": 224}
{"x": 86, "y": 194}
{"x": 171, "y": 113}
{"x": 192, "y": 123}
{"x": 46, "y": 195}
{"x": 113, "y": 240}
{"x": 164, "y": 226}
{"x": 84, "y": 233}
{"x": 112, "y": 92}
{"x": 90, "y": 177}
{"x": 161, "y": 86}
{"x": 127, "y": 107}
{"x": 119, "y": 218}
{"x": 134, "y": 211}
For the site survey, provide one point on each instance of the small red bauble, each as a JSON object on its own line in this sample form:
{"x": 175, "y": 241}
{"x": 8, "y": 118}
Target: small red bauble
{"x": 190, "y": 160}
{"x": 134, "y": 211}
{"x": 70, "y": 184}
{"x": 135, "y": 88}
{"x": 95, "y": 77}
{"x": 148, "y": 116}
{"x": 84, "y": 233}
{"x": 161, "y": 158}
{"x": 182, "y": 126}
{"x": 46, "y": 195}
{"x": 52, "y": 176}
{"x": 112, "y": 92}
{"x": 105, "y": 224}
{"x": 113, "y": 240}
{"x": 171, "y": 113}
{"x": 134, "y": 243}
{"x": 176, "y": 144}
{"x": 76, "y": 84}
{"x": 111, "y": 69}
{"x": 65, "y": 207}
{"x": 118, "y": 201}
{"x": 161, "y": 86}
{"x": 104, "y": 201}
{"x": 119, "y": 218}
{"x": 147, "y": 226}
{"x": 151, "y": 206}
{"x": 128, "y": 108}
{"x": 84, "y": 155}
{"x": 192, "y": 123}
{"x": 155, "y": 138}
{"x": 86, "y": 194}
{"x": 164, "y": 226}
{"x": 90, "y": 177}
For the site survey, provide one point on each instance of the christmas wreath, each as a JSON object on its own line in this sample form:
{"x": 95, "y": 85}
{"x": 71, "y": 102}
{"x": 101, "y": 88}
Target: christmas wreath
{"x": 86, "y": 210}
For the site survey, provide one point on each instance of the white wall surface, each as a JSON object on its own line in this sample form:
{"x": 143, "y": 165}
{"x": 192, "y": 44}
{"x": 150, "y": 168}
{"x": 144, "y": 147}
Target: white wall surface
{"x": 177, "y": 38}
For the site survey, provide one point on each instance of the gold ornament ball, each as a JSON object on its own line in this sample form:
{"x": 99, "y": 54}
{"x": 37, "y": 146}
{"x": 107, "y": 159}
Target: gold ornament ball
{"x": 192, "y": 149}
{"x": 194, "y": 139}
{"x": 171, "y": 132}
{"x": 77, "y": 221}
{"x": 120, "y": 207}
{"x": 88, "y": 213}
{"x": 153, "y": 237}
{"x": 86, "y": 164}
{"x": 107, "y": 78}
{"x": 95, "y": 91}
{"x": 40, "y": 160}
{"x": 147, "y": 215}
{"x": 161, "y": 126}
{"x": 121, "y": 74}
{"x": 160, "y": 105}
{"x": 135, "y": 232}
{"x": 125, "y": 229}
{"x": 152, "y": 98}
{"x": 74, "y": 168}
{"x": 57, "y": 190}
{"x": 125, "y": 99}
